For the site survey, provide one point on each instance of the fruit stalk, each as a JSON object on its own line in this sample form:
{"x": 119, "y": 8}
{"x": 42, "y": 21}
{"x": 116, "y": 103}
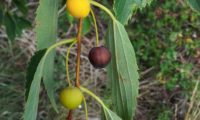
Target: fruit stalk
{"x": 69, "y": 117}
{"x": 78, "y": 52}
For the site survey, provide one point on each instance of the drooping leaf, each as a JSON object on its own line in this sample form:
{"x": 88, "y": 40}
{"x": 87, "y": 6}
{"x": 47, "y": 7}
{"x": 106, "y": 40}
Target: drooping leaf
{"x": 33, "y": 96}
{"x": 123, "y": 71}
{"x": 32, "y": 67}
{"x": 195, "y": 5}
{"x": 21, "y": 5}
{"x": 46, "y": 35}
{"x": 31, "y": 105}
{"x": 46, "y": 23}
{"x": 110, "y": 115}
{"x": 124, "y": 8}
{"x": 10, "y": 26}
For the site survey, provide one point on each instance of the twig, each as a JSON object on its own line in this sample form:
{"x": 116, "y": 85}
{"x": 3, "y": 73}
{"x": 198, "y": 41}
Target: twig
{"x": 78, "y": 52}
{"x": 69, "y": 117}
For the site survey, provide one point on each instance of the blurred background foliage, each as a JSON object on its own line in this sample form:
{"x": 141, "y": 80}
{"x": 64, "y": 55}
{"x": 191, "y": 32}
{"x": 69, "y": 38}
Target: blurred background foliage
{"x": 13, "y": 16}
{"x": 166, "y": 38}
{"x": 171, "y": 37}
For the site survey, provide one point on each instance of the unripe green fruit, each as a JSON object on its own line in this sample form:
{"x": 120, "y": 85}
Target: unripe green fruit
{"x": 71, "y": 97}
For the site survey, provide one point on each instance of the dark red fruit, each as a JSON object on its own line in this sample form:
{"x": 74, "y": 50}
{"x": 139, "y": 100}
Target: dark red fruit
{"x": 99, "y": 56}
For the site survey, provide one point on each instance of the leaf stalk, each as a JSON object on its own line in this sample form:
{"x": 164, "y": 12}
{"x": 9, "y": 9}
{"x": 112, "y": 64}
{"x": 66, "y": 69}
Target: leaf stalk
{"x": 96, "y": 28}
{"x": 103, "y": 8}
{"x": 66, "y": 64}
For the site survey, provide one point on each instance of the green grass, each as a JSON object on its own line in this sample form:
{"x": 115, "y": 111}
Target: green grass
{"x": 165, "y": 36}
{"x": 12, "y": 78}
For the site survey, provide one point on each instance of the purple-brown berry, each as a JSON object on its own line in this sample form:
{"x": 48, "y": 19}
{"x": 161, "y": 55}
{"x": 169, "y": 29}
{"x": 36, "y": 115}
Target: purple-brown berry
{"x": 99, "y": 56}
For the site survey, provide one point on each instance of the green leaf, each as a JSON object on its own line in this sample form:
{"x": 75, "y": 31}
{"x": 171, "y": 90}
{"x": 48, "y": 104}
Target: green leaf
{"x": 46, "y": 23}
{"x": 123, "y": 71}
{"x": 124, "y": 8}
{"x": 33, "y": 97}
{"x": 46, "y": 35}
{"x": 194, "y": 4}
{"x": 10, "y": 26}
{"x": 22, "y": 23}
{"x": 86, "y": 25}
{"x": 32, "y": 67}
{"x": 70, "y": 18}
{"x": 110, "y": 115}
{"x": 21, "y": 5}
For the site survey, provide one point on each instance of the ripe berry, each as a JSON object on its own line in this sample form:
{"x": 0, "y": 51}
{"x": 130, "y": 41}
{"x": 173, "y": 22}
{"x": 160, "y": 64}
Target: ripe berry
{"x": 78, "y": 8}
{"x": 99, "y": 56}
{"x": 71, "y": 97}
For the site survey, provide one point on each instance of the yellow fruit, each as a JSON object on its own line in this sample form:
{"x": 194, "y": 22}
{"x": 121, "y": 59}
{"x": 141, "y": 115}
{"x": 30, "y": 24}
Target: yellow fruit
{"x": 71, "y": 97}
{"x": 78, "y": 8}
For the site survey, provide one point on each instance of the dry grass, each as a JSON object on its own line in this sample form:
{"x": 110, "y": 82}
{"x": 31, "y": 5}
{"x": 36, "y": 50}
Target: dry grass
{"x": 193, "y": 112}
{"x": 13, "y": 63}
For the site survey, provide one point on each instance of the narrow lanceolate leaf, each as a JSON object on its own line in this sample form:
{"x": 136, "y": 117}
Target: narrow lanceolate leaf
{"x": 33, "y": 96}
{"x": 123, "y": 71}
{"x": 46, "y": 34}
{"x": 32, "y": 67}
{"x": 110, "y": 115}
{"x": 34, "y": 89}
{"x": 124, "y": 8}
{"x": 195, "y": 5}
{"x": 10, "y": 26}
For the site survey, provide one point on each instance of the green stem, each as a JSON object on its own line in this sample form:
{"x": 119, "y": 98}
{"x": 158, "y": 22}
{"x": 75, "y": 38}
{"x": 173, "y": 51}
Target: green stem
{"x": 54, "y": 46}
{"x": 86, "y": 110}
{"x": 103, "y": 8}
{"x": 66, "y": 63}
{"x": 96, "y": 28}
{"x": 94, "y": 96}
{"x": 58, "y": 44}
